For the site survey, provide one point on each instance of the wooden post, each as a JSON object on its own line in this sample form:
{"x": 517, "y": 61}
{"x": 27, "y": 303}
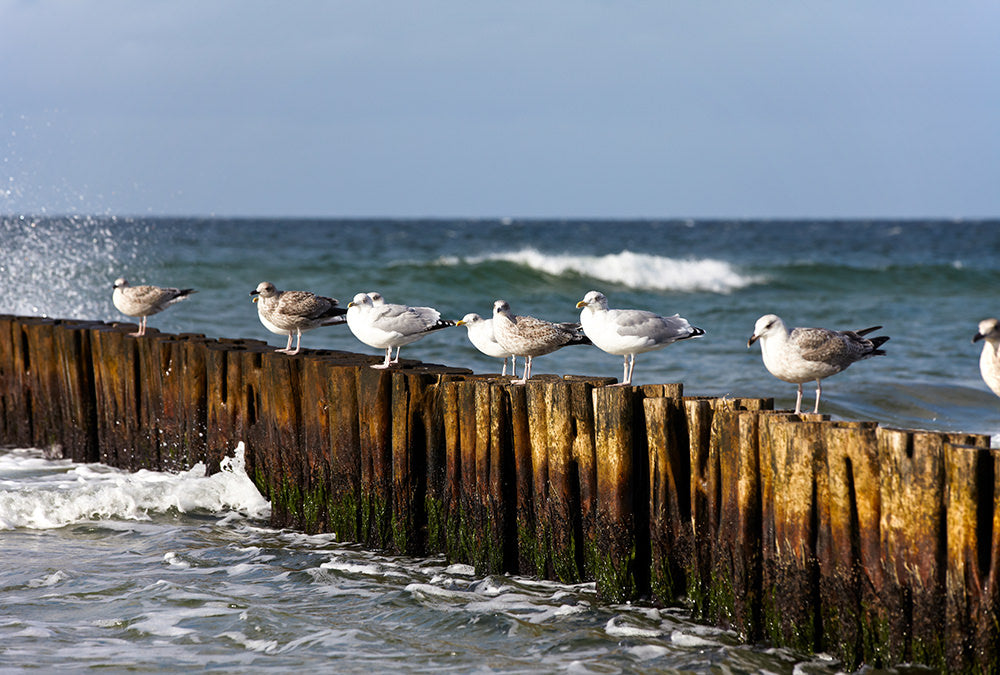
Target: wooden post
{"x": 538, "y": 431}
{"x": 848, "y": 545}
{"x": 524, "y": 489}
{"x": 790, "y": 450}
{"x": 973, "y": 539}
{"x": 374, "y": 389}
{"x": 670, "y": 534}
{"x": 913, "y": 544}
{"x": 615, "y": 532}
{"x": 345, "y": 460}
{"x": 77, "y": 384}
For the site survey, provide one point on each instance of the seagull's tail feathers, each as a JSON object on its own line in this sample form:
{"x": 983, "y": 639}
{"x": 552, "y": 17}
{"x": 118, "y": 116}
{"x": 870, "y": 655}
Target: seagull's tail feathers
{"x": 578, "y": 339}
{"x": 878, "y": 342}
{"x": 695, "y": 333}
{"x": 866, "y": 331}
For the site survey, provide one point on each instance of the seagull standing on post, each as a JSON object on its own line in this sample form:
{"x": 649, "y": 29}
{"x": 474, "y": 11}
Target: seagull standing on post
{"x": 627, "y": 332}
{"x": 143, "y": 301}
{"x": 807, "y": 354}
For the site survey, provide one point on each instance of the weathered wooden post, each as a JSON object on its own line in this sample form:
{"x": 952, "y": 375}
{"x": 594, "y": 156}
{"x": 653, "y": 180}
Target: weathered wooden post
{"x": 563, "y": 512}
{"x": 374, "y": 390}
{"x": 279, "y": 448}
{"x": 848, "y": 544}
{"x": 973, "y": 536}
{"x": 790, "y": 449}
{"x": 670, "y": 533}
{"x": 344, "y": 510}
{"x": 15, "y": 409}
{"x": 77, "y": 385}
{"x": 117, "y": 404}
{"x": 615, "y": 530}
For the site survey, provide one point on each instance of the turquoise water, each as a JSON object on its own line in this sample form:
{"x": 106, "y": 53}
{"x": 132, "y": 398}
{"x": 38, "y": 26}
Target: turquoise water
{"x": 156, "y": 572}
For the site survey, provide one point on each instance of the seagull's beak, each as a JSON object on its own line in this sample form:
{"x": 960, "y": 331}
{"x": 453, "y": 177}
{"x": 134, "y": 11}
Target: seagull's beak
{"x": 350, "y": 304}
{"x": 581, "y": 304}
{"x": 977, "y": 337}
{"x": 753, "y": 338}
{"x": 255, "y": 292}
{"x": 459, "y": 323}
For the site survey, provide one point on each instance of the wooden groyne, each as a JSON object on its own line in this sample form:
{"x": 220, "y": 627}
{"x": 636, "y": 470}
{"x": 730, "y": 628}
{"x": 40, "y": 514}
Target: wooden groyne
{"x": 877, "y": 545}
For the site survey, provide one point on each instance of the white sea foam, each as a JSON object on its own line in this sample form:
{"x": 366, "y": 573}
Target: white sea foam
{"x": 636, "y": 270}
{"x": 41, "y": 494}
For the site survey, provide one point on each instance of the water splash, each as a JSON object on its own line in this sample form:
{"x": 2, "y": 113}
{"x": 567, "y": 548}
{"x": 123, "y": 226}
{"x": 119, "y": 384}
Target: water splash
{"x": 54, "y": 267}
{"x": 39, "y": 494}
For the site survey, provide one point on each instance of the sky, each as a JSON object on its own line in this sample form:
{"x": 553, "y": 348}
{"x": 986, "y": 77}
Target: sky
{"x": 523, "y": 109}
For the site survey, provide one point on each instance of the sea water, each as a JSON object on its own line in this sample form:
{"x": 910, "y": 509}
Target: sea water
{"x": 158, "y": 572}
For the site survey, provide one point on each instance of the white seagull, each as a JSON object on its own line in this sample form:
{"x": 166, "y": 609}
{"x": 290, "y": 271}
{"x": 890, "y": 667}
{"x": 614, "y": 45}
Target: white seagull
{"x": 989, "y": 360}
{"x": 142, "y": 301}
{"x": 294, "y": 312}
{"x": 527, "y": 336}
{"x": 388, "y": 325}
{"x": 481, "y": 336}
{"x": 627, "y": 332}
{"x": 807, "y": 354}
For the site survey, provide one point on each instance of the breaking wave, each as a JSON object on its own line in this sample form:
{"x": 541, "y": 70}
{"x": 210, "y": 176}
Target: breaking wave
{"x": 627, "y": 268}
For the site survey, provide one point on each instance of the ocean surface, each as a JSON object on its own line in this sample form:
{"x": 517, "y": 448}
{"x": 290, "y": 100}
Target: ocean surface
{"x": 156, "y": 572}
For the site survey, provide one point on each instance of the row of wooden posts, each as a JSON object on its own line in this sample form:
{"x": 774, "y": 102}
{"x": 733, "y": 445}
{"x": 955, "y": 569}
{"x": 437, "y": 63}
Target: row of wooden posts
{"x": 877, "y": 545}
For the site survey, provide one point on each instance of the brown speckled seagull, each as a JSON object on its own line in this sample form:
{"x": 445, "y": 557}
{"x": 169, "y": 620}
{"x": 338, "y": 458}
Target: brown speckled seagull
{"x": 807, "y": 354}
{"x": 294, "y": 312}
{"x": 527, "y": 336}
{"x": 143, "y": 301}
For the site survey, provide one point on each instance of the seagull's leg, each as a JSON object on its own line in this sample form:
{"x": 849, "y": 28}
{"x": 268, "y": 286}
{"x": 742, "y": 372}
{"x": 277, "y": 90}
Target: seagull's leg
{"x": 288, "y": 347}
{"x": 818, "y": 390}
{"x": 396, "y": 360}
{"x": 298, "y": 341}
{"x": 798, "y": 401}
{"x": 628, "y": 365}
{"x": 504, "y": 367}
{"x": 385, "y": 364}
{"x": 142, "y": 326}
{"x": 527, "y": 372}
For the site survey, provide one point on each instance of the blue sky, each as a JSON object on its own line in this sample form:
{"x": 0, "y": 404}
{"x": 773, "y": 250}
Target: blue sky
{"x": 568, "y": 108}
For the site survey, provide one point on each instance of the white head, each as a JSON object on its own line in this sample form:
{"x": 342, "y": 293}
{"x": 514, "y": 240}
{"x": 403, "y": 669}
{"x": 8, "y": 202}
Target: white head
{"x": 766, "y": 326}
{"x": 471, "y": 319}
{"x": 501, "y": 308}
{"x": 989, "y": 330}
{"x": 593, "y": 300}
{"x": 120, "y": 282}
{"x": 376, "y": 297}
{"x": 265, "y": 289}
{"x": 361, "y": 300}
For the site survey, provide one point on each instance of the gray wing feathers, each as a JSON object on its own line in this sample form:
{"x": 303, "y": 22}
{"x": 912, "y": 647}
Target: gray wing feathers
{"x": 833, "y": 347}
{"x": 640, "y": 323}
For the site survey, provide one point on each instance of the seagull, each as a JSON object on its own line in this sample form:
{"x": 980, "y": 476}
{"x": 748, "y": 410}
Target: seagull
{"x": 989, "y": 360}
{"x": 293, "y": 312}
{"x": 143, "y": 301}
{"x": 807, "y": 354}
{"x": 388, "y": 325}
{"x": 481, "y": 336}
{"x": 527, "y": 336}
{"x": 627, "y": 332}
